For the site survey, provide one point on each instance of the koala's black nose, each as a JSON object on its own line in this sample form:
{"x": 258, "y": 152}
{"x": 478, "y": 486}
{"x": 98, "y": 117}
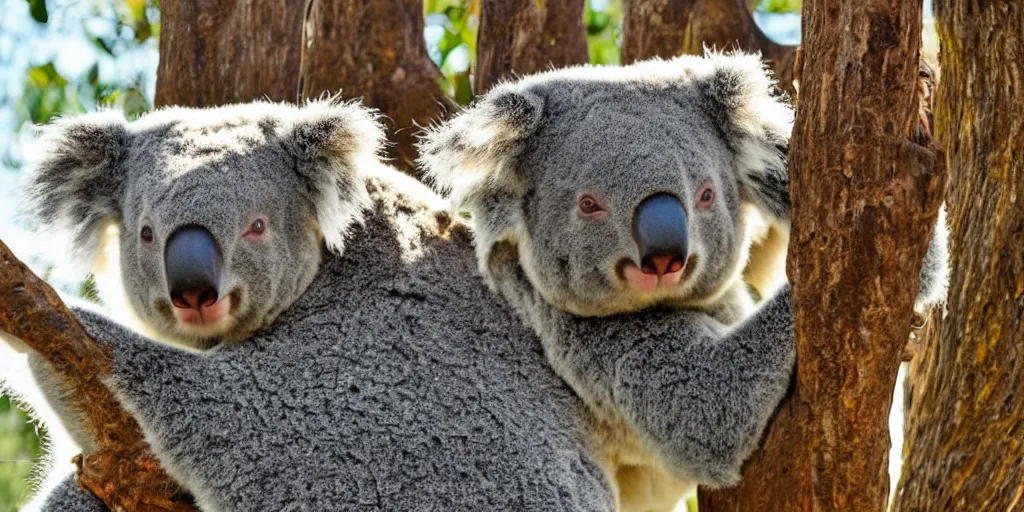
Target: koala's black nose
{"x": 193, "y": 264}
{"x": 659, "y": 228}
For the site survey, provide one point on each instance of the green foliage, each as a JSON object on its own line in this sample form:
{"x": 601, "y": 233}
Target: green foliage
{"x": 779, "y": 6}
{"x": 457, "y": 21}
{"x": 19, "y": 449}
{"x": 47, "y": 94}
{"x": 603, "y": 20}
{"x": 754, "y": 294}
{"x": 691, "y": 504}
{"x": 136, "y": 14}
{"x": 88, "y": 291}
{"x": 37, "y": 8}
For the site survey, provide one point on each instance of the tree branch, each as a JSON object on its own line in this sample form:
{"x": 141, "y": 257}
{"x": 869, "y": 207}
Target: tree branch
{"x": 123, "y": 473}
{"x": 654, "y": 28}
{"x": 668, "y": 28}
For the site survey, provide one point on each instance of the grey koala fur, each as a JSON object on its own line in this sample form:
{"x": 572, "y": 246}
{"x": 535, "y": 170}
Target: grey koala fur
{"x": 678, "y": 391}
{"x": 676, "y": 395}
{"x": 934, "y": 277}
{"x": 216, "y": 168}
{"x": 68, "y": 496}
{"x": 396, "y": 381}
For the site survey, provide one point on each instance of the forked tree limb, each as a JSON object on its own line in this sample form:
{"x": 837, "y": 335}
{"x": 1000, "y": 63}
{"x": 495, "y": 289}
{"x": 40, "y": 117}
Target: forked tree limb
{"x": 123, "y": 473}
{"x": 213, "y": 54}
{"x": 729, "y": 24}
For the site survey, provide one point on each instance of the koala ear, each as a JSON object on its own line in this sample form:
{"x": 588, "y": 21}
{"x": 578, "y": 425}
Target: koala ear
{"x": 471, "y": 158}
{"x": 468, "y": 154}
{"x": 77, "y": 186}
{"x": 757, "y": 120}
{"x": 333, "y": 143}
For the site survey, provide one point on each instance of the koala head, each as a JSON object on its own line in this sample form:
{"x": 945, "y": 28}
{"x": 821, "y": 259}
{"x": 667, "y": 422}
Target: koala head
{"x": 222, "y": 213}
{"x": 622, "y": 187}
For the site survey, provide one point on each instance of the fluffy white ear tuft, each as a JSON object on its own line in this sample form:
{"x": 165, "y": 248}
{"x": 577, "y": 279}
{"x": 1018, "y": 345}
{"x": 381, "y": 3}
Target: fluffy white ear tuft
{"x": 75, "y": 189}
{"x": 471, "y": 159}
{"x": 466, "y": 157}
{"x": 333, "y": 143}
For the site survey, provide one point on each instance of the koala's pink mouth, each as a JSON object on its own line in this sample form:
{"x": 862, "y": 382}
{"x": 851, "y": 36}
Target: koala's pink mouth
{"x": 648, "y": 283}
{"x": 206, "y": 314}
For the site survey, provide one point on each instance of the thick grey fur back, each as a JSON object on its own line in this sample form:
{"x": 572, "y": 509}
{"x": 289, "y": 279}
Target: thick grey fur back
{"x": 397, "y": 382}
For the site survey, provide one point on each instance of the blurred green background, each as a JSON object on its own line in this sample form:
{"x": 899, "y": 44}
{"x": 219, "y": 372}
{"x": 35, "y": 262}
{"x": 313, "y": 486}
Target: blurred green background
{"x": 19, "y": 448}
{"x": 68, "y": 56}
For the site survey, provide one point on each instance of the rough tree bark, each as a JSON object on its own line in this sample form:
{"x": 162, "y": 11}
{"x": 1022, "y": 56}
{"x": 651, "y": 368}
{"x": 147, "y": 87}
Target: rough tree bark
{"x": 289, "y": 50}
{"x": 654, "y": 28}
{"x": 374, "y": 50}
{"x": 963, "y": 449}
{"x": 865, "y": 194}
{"x": 123, "y": 473}
{"x": 212, "y": 54}
{"x": 728, "y": 24}
{"x": 519, "y": 37}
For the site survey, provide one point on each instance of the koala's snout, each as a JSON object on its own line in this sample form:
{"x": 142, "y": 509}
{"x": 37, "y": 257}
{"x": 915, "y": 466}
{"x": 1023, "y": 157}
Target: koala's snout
{"x": 193, "y": 263}
{"x": 660, "y": 230}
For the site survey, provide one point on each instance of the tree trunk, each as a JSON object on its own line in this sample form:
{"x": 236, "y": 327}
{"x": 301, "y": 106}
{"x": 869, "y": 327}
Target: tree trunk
{"x": 654, "y": 28}
{"x": 864, "y": 195}
{"x": 123, "y": 473}
{"x": 374, "y": 50}
{"x": 213, "y": 54}
{"x": 963, "y": 449}
{"x": 667, "y": 28}
{"x": 728, "y": 24}
{"x": 519, "y": 37}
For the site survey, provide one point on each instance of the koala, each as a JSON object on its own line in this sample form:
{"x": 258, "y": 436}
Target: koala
{"x": 614, "y": 208}
{"x": 385, "y": 376}
{"x": 213, "y": 243}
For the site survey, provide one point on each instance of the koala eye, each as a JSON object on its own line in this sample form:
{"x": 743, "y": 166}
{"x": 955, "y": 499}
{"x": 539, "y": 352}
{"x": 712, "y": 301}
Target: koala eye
{"x": 256, "y": 229}
{"x": 146, "y": 234}
{"x": 705, "y": 196}
{"x": 590, "y": 206}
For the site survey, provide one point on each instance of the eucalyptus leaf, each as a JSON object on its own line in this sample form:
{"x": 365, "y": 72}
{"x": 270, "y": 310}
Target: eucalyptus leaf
{"x": 37, "y": 8}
